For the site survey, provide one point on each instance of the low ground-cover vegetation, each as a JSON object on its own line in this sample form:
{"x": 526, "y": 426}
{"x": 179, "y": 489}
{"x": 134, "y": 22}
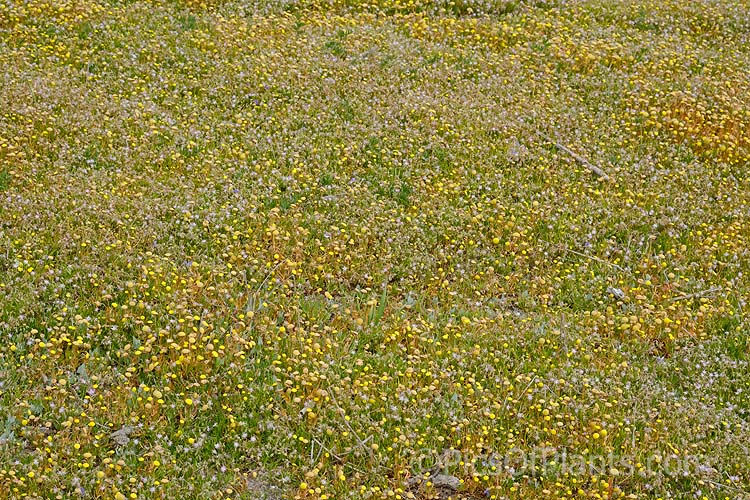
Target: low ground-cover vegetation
{"x": 302, "y": 249}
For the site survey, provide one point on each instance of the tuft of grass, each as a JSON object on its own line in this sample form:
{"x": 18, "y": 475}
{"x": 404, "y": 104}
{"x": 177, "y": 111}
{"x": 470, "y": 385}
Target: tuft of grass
{"x": 5, "y": 179}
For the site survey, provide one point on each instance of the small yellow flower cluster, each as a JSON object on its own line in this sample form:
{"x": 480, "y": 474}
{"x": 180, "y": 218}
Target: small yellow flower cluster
{"x": 341, "y": 249}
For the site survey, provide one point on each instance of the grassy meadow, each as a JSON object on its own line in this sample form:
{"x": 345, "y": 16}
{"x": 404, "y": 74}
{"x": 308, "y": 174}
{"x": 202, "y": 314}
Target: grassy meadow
{"x": 331, "y": 249}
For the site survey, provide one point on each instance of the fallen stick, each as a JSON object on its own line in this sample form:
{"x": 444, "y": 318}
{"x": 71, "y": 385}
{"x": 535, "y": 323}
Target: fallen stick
{"x": 565, "y": 149}
{"x": 719, "y": 485}
{"x": 362, "y": 443}
{"x": 696, "y": 295}
{"x": 585, "y": 256}
{"x": 580, "y": 159}
{"x": 339, "y": 458}
{"x": 597, "y": 259}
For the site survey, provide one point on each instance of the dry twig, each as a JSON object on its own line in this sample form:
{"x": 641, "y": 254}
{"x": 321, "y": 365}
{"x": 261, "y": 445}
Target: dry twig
{"x": 565, "y": 149}
{"x": 696, "y": 295}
